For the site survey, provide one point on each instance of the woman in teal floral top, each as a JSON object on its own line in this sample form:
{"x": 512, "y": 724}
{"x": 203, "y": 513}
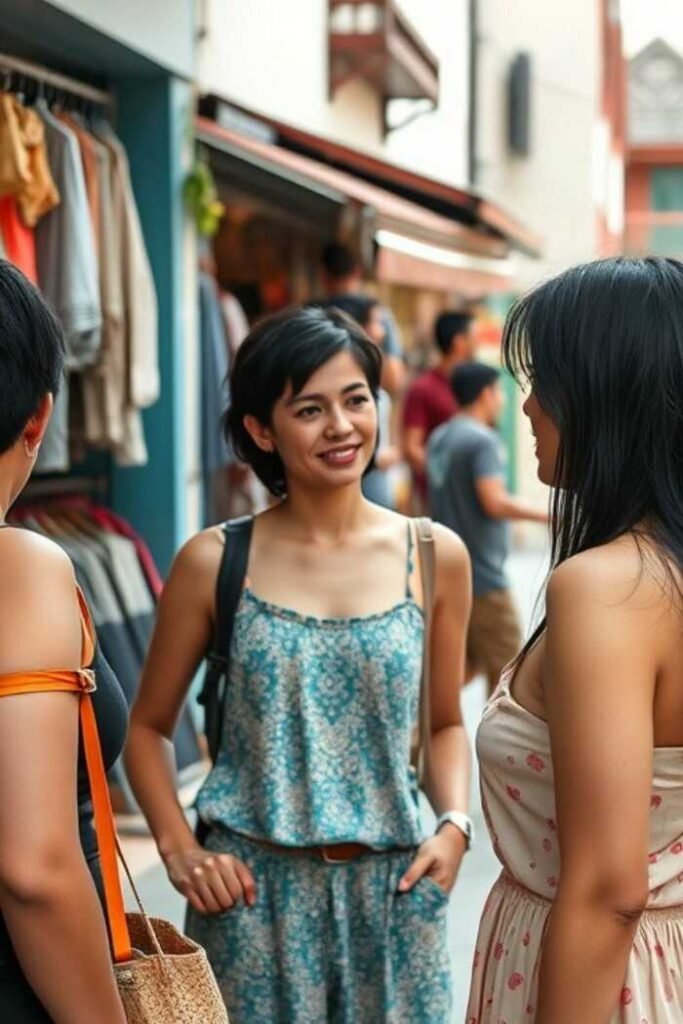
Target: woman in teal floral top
{"x": 316, "y": 893}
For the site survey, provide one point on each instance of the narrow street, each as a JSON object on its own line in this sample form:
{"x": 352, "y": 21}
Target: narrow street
{"x": 479, "y": 870}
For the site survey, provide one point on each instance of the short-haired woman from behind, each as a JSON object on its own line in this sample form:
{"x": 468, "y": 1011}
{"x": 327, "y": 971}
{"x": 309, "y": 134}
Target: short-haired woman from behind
{"x": 316, "y": 894}
{"x": 55, "y": 964}
{"x": 581, "y": 746}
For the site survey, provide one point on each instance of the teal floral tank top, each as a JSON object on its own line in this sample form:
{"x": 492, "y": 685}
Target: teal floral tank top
{"x": 315, "y": 745}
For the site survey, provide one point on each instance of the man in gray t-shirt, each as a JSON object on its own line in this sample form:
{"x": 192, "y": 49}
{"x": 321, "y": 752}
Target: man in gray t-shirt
{"x": 467, "y": 492}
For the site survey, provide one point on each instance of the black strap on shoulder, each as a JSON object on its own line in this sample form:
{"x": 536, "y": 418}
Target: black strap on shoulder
{"x": 229, "y": 586}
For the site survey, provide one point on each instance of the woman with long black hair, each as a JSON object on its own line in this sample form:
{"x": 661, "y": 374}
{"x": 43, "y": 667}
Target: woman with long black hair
{"x": 316, "y": 893}
{"x": 581, "y": 746}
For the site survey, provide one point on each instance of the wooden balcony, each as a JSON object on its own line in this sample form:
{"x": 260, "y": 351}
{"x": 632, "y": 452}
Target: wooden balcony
{"x": 373, "y": 40}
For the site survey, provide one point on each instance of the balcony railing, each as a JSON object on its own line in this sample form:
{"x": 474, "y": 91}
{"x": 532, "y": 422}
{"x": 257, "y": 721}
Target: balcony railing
{"x": 373, "y": 39}
{"x": 650, "y": 232}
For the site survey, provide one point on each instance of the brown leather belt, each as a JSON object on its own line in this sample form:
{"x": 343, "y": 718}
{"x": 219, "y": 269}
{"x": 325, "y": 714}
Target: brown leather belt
{"x": 336, "y": 853}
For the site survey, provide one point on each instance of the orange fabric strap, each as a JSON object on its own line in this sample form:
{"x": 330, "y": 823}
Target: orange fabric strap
{"x": 82, "y": 682}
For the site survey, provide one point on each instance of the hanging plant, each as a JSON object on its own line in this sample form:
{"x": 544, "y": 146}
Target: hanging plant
{"x": 202, "y": 198}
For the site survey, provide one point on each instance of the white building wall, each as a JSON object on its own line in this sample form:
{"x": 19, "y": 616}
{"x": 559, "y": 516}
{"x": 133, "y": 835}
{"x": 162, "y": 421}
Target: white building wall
{"x": 553, "y": 190}
{"x": 271, "y": 56}
{"x": 558, "y": 188}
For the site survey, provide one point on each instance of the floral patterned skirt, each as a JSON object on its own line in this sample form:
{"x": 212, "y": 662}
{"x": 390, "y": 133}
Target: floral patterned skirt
{"x": 508, "y": 957}
{"x": 329, "y": 943}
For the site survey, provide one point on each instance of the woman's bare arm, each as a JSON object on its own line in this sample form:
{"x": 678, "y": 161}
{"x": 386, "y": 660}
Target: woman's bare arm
{"x": 448, "y": 781}
{"x": 599, "y": 681}
{"x": 181, "y": 639}
{"x": 47, "y": 895}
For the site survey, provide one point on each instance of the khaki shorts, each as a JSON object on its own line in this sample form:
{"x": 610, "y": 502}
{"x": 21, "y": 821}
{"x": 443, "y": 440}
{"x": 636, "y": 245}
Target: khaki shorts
{"x": 494, "y": 637}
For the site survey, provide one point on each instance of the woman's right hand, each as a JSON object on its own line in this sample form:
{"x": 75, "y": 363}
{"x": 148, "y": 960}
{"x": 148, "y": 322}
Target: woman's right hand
{"x": 211, "y": 882}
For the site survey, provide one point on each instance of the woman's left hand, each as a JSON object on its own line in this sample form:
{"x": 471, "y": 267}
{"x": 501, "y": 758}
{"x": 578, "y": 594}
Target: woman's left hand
{"x": 438, "y": 858}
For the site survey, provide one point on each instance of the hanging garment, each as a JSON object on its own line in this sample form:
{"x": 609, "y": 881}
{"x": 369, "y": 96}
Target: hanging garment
{"x": 113, "y": 522}
{"x": 142, "y": 379}
{"x": 86, "y": 148}
{"x": 214, "y": 398}
{"x": 139, "y": 290}
{"x": 14, "y": 163}
{"x": 68, "y": 276}
{"x": 236, "y": 323}
{"x": 18, "y": 240}
{"x": 104, "y": 385}
{"x": 39, "y": 194}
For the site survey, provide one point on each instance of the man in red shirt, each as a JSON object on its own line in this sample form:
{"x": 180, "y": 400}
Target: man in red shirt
{"x": 430, "y": 400}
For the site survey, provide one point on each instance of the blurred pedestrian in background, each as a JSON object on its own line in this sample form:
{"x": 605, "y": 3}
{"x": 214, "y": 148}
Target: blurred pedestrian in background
{"x": 342, "y": 277}
{"x": 429, "y": 401}
{"x": 580, "y": 747}
{"x": 336, "y": 902}
{"x": 466, "y": 463}
{"x": 367, "y": 311}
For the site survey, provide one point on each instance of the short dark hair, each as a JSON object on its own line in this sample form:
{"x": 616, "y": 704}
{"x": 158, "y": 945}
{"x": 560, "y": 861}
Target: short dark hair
{"x": 447, "y": 326}
{"x": 31, "y": 353}
{"x": 338, "y": 260}
{"x": 283, "y": 349}
{"x": 469, "y": 380}
{"x": 358, "y": 306}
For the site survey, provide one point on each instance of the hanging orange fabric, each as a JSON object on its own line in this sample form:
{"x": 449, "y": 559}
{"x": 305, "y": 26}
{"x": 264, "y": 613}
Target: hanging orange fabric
{"x": 18, "y": 240}
{"x": 82, "y": 682}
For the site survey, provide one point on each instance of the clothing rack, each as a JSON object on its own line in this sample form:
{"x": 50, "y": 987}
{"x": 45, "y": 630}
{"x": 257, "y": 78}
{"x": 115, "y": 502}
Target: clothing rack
{"x": 63, "y": 83}
{"x": 60, "y": 487}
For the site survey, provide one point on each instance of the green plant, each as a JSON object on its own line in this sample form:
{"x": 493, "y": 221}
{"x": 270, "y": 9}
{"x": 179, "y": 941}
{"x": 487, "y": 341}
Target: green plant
{"x": 202, "y": 199}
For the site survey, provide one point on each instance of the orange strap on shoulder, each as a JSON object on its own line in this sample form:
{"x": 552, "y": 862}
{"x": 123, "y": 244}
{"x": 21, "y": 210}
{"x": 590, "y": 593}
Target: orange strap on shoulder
{"x": 83, "y": 682}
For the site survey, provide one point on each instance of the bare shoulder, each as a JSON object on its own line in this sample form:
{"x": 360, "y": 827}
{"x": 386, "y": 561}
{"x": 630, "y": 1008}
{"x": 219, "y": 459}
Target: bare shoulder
{"x": 191, "y": 585}
{"x": 40, "y": 625}
{"x": 35, "y": 572}
{"x": 201, "y": 553}
{"x": 450, "y": 549}
{"x": 28, "y": 557}
{"x": 454, "y": 569}
{"x": 619, "y": 574}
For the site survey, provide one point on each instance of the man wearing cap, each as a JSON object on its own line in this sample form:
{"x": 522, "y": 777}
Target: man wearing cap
{"x": 467, "y": 492}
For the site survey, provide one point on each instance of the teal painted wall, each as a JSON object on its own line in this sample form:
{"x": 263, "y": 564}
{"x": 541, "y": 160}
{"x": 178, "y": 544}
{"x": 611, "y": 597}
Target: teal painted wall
{"x": 163, "y": 33}
{"x": 153, "y": 122}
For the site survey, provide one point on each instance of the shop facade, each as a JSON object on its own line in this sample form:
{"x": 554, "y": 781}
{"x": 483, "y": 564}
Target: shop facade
{"x": 145, "y": 65}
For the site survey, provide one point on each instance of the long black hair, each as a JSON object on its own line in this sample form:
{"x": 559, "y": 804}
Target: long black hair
{"x": 602, "y": 347}
{"x": 283, "y": 349}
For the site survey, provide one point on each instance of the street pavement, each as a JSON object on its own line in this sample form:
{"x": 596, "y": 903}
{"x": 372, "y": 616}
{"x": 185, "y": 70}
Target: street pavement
{"x": 480, "y": 868}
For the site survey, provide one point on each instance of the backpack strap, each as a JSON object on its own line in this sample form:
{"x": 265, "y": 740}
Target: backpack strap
{"x": 425, "y": 547}
{"x": 229, "y": 585}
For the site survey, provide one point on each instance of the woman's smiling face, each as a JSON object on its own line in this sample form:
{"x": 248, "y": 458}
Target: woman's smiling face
{"x": 325, "y": 435}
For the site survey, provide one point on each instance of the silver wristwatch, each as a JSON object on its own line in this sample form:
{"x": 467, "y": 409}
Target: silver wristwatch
{"x": 461, "y": 821}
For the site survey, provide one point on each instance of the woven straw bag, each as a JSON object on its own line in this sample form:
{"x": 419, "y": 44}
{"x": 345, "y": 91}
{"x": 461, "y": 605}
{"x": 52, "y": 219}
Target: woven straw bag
{"x": 168, "y": 980}
{"x": 163, "y": 977}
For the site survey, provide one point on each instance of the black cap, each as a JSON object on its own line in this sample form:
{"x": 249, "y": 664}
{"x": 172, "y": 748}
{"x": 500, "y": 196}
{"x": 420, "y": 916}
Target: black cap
{"x": 468, "y": 380}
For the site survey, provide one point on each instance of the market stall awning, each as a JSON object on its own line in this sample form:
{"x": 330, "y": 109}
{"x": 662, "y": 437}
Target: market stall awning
{"x": 459, "y": 205}
{"x": 431, "y": 247}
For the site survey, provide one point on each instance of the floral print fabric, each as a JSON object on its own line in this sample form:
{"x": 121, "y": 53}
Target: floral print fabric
{"x": 316, "y": 741}
{"x": 333, "y": 943}
{"x": 513, "y": 748}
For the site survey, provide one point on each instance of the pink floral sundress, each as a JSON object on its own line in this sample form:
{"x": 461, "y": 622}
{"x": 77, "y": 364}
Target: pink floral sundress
{"x": 513, "y": 747}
